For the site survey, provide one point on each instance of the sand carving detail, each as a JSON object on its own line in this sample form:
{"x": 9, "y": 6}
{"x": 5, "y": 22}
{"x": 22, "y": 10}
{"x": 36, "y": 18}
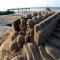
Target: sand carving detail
{"x": 17, "y": 38}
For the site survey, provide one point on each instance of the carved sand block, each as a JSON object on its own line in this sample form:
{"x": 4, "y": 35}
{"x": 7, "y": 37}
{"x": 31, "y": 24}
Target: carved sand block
{"x": 43, "y": 54}
{"x": 35, "y": 19}
{"x": 16, "y": 25}
{"x": 39, "y": 18}
{"x": 34, "y": 14}
{"x": 30, "y": 51}
{"x": 52, "y": 51}
{"x": 28, "y": 16}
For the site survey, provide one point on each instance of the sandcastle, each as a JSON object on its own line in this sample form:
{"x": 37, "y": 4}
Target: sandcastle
{"x": 23, "y": 42}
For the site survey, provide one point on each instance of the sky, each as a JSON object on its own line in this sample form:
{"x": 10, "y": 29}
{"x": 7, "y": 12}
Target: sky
{"x": 7, "y": 4}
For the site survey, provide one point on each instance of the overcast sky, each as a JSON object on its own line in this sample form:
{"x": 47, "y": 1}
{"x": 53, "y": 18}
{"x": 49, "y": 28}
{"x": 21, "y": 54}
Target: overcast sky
{"x": 6, "y": 4}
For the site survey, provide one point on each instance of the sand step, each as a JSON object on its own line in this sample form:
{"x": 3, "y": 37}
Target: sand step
{"x": 56, "y": 34}
{"x": 44, "y": 55}
{"x": 52, "y": 51}
{"x": 57, "y": 29}
{"x": 58, "y": 25}
{"x": 59, "y": 22}
{"x": 54, "y": 41}
{"x": 31, "y": 52}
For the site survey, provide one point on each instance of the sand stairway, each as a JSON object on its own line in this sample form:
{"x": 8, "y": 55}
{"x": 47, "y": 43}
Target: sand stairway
{"x": 51, "y": 49}
{"x": 52, "y": 46}
{"x": 55, "y": 36}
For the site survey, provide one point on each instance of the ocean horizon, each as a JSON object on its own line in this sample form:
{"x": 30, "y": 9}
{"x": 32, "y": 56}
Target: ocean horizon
{"x": 42, "y": 8}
